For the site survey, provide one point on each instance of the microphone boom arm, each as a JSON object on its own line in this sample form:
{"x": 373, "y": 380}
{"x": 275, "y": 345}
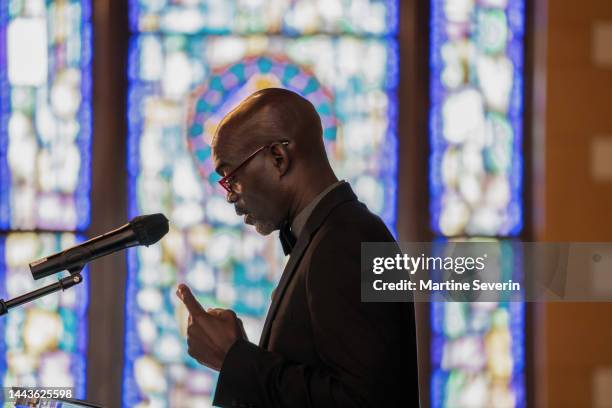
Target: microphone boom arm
{"x": 64, "y": 283}
{"x": 141, "y": 230}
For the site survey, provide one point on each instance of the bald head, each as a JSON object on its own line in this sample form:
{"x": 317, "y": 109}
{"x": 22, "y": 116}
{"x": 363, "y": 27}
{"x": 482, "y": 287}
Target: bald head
{"x": 270, "y": 151}
{"x": 271, "y": 115}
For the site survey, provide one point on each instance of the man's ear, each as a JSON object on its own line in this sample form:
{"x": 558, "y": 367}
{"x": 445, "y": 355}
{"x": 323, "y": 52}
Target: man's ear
{"x": 281, "y": 158}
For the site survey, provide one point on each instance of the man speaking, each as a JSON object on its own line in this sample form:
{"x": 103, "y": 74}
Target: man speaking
{"x": 320, "y": 346}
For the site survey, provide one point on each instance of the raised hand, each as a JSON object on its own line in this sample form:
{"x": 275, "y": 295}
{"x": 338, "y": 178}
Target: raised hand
{"x": 210, "y": 334}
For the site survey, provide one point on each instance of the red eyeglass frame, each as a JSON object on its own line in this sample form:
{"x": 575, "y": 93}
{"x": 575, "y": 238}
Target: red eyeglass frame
{"x": 226, "y": 181}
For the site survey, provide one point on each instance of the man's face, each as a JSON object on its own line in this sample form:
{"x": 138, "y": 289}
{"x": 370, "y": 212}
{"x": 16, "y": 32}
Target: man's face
{"x": 255, "y": 188}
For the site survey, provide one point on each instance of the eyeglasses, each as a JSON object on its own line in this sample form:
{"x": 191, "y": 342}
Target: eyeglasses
{"x": 226, "y": 182}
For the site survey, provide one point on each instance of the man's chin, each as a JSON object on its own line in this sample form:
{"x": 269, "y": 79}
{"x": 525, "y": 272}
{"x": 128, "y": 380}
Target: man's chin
{"x": 264, "y": 228}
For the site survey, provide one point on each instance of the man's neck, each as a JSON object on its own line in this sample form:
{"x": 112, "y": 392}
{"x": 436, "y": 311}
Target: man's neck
{"x": 309, "y": 191}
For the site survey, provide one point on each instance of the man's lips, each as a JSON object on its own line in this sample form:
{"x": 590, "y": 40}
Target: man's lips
{"x": 248, "y": 219}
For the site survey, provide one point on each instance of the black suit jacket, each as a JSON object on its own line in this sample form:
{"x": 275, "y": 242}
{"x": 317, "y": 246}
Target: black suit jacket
{"x": 321, "y": 346}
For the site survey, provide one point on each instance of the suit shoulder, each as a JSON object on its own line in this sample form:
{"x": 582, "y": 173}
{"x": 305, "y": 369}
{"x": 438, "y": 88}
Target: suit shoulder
{"x": 353, "y": 220}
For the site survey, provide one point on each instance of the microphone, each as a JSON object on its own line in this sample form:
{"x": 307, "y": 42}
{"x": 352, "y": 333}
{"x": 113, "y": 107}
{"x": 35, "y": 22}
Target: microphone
{"x": 142, "y": 230}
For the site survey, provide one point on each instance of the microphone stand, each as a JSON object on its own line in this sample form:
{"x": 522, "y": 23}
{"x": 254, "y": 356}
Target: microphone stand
{"x": 69, "y": 281}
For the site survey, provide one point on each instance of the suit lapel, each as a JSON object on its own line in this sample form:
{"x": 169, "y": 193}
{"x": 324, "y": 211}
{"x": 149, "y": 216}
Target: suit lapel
{"x": 296, "y": 255}
{"x": 337, "y": 196}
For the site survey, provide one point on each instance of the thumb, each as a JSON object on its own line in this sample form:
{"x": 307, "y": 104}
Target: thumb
{"x": 244, "y": 335}
{"x": 184, "y": 293}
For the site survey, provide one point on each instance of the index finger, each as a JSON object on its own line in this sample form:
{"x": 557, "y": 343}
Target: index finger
{"x": 193, "y": 306}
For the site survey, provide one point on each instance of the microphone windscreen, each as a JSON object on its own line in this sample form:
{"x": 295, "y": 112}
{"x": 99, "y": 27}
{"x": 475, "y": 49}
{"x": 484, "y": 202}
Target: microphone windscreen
{"x": 149, "y": 228}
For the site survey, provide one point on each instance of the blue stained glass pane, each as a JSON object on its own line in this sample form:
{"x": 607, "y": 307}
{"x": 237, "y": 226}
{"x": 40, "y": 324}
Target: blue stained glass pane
{"x": 44, "y": 342}
{"x": 287, "y": 17}
{"x": 45, "y": 115}
{"x": 476, "y": 118}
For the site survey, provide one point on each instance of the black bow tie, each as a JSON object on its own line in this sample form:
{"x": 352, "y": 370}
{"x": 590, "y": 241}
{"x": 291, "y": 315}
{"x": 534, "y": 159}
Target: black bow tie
{"x": 287, "y": 238}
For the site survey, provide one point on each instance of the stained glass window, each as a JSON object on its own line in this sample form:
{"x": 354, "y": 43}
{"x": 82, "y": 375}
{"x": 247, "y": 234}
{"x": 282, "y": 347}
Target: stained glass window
{"x": 477, "y": 348}
{"x": 476, "y": 119}
{"x": 45, "y": 136}
{"x": 189, "y": 64}
{"x": 44, "y": 343}
{"x": 46, "y": 115}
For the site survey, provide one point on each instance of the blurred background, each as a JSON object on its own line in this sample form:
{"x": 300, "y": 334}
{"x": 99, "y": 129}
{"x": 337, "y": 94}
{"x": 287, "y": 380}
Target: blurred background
{"x": 486, "y": 119}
